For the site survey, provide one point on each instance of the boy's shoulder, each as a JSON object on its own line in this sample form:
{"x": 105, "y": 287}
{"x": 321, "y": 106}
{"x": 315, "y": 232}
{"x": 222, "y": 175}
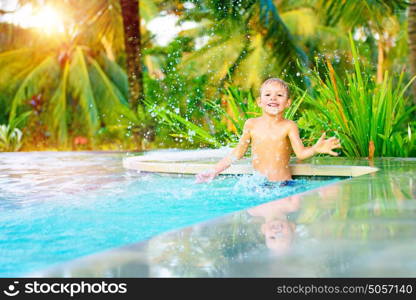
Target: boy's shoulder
{"x": 290, "y": 123}
{"x": 251, "y": 121}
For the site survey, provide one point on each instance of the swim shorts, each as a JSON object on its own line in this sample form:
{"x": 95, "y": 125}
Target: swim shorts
{"x": 271, "y": 184}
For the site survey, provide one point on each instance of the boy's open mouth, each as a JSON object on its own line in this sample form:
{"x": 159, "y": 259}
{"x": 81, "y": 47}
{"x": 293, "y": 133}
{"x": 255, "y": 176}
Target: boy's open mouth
{"x": 273, "y": 105}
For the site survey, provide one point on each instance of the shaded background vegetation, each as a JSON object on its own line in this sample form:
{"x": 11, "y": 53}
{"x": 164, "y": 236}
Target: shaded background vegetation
{"x": 105, "y": 82}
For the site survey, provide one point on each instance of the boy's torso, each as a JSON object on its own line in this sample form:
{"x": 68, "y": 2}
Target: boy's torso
{"x": 271, "y": 149}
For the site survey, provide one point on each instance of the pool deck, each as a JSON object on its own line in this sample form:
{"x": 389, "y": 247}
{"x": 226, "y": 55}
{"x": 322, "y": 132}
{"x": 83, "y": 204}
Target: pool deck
{"x": 360, "y": 227}
{"x": 241, "y": 167}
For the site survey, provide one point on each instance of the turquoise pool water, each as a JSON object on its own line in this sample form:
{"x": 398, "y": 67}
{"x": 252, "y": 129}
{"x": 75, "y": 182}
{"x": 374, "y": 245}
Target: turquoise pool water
{"x": 59, "y": 206}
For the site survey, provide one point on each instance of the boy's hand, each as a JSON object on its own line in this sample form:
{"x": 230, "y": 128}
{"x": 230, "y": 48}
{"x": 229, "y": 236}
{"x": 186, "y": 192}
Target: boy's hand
{"x": 205, "y": 176}
{"x": 326, "y": 146}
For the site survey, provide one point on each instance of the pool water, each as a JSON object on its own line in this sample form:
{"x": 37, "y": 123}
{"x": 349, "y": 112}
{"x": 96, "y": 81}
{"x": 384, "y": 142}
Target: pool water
{"x": 59, "y": 206}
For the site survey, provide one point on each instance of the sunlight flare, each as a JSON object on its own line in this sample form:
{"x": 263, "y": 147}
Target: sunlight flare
{"x": 47, "y": 19}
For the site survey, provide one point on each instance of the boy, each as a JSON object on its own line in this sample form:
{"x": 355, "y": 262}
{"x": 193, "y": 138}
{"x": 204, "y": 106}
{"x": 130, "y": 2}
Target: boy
{"x": 272, "y": 138}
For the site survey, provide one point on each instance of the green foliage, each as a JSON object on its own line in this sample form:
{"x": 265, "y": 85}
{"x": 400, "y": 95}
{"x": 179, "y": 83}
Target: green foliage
{"x": 174, "y": 92}
{"x": 251, "y": 35}
{"x": 10, "y": 138}
{"x": 358, "y": 12}
{"x": 359, "y": 111}
{"x": 77, "y": 95}
{"x": 181, "y": 128}
{"x": 11, "y": 135}
{"x": 402, "y": 144}
{"x": 242, "y": 105}
{"x": 191, "y": 92}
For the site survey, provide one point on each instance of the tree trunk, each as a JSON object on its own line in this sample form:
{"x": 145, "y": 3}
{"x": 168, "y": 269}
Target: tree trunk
{"x": 132, "y": 39}
{"x": 412, "y": 42}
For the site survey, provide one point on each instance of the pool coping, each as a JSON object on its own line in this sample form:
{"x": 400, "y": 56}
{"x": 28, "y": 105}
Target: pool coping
{"x": 244, "y": 167}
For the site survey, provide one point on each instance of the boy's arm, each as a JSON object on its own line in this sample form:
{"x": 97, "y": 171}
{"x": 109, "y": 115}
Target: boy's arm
{"x": 237, "y": 153}
{"x": 321, "y": 146}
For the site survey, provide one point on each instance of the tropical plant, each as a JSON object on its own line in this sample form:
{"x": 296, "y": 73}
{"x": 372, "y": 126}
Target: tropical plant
{"x": 263, "y": 38}
{"x": 109, "y": 24}
{"x": 13, "y": 36}
{"x": 242, "y": 106}
{"x": 60, "y": 79}
{"x": 69, "y": 105}
{"x": 246, "y": 33}
{"x": 251, "y": 35}
{"x": 182, "y": 95}
{"x": 10, "y": 138}
{"x": 404, "y": 145}
{"x": 380, "y": 23}
{"x": 370, "y": 119}
{"x": 11, "y": 135}
{"x": 412, "y": 42}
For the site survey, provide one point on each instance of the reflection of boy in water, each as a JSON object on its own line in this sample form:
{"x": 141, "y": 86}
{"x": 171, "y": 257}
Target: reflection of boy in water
{"x": 277, "y": 229}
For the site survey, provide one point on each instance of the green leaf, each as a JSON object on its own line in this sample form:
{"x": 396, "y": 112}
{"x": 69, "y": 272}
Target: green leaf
{"x": 80, "y": 87}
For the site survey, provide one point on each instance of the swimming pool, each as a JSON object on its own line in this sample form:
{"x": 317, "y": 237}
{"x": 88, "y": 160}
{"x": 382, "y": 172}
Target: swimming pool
{"x": 58, "y": 206}
{"x": 361, "y": 227}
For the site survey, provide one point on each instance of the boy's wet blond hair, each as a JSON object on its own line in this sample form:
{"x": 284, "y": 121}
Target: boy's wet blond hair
{"x": 278, "y": 81}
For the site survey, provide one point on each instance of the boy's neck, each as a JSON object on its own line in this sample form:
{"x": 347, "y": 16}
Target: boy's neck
{"x": 273, "y": 118}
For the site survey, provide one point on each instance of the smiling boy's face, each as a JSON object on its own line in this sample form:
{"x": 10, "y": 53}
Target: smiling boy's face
{"x": 274, "y": 99}
{"x": 279, "y": 235}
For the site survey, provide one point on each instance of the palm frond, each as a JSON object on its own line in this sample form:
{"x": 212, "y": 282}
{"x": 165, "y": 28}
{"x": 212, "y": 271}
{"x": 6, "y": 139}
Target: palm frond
{"x": 34, "y": 82}
{"x": 148, "y": 9}
{"x": 279, "y": 36}
{"x": 56, "y": 112}
{"x": 257, "y": 65}
{"x": 80, "y": 87}
{"x": 181, "y": 127}
{"x": 116, "y": 74}
{"x": 304, "y": 28}
{"x": 357, "y": 12}
{"x": 111, "y": 103}
{"x": 212, "y": 53}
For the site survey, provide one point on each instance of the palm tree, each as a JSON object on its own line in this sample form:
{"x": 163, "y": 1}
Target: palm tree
{"x": 112, "y": 25}
{"x": 84, "y": 81}
{"x": 247, "y": 41}
{"x": 380, "y": 19}
{"x": 264, "y": 37}
{"x": 66, "y": 85}
{"x": 69, "y": 83}
{"x": 132, "y": 42}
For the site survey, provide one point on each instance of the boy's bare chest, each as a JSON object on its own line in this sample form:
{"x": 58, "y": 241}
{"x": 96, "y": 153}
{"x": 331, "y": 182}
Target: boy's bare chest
{"x": 272, "y": 134}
